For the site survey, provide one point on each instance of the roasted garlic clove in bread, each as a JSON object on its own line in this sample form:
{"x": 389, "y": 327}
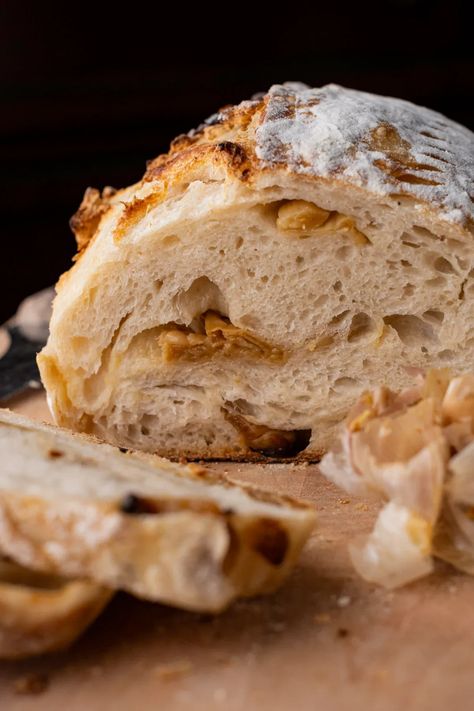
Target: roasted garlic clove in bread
{"x": 176, "y": 534}
{"x": 290, "y": 253}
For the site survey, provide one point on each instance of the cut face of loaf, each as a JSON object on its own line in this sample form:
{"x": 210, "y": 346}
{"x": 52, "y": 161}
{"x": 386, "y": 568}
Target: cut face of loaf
{"x": 292, "y": 252}
{"x": 176, "y": 534}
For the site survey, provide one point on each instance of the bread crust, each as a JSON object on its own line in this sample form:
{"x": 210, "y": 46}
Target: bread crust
{"x": 230, "y": 139}
{"x": 376, "y": 156}
{"x": 39, "y": 615}
{"x": 165, "y": 532}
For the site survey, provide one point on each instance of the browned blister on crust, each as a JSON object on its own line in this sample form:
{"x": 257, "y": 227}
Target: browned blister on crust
{"x": 85, "y": 221}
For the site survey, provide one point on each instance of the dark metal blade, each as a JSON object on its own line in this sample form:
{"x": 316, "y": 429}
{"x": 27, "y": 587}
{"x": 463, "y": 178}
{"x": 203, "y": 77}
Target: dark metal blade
{"x": 20, "y": 340}
{"x": 18, "y": 369}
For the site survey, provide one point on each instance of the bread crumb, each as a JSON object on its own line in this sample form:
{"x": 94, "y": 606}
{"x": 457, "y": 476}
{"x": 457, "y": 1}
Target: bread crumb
{"x": 361, "y": 506}
{"x": 34, "y": 683}
{"x": 173, "y": 670}
{"x": 322, "y": 618}
{"x": 343, "y": 601}
{"x": 344, "y": 501}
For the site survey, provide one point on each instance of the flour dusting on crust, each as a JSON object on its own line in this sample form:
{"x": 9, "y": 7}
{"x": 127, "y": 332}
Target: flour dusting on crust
{"x": 383, "y": 144}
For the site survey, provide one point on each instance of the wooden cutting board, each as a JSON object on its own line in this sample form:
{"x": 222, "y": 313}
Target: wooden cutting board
{"x": 327, "y": 640}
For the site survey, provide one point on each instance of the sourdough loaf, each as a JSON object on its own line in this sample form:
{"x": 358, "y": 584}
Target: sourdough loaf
{"x": 291, "y": 252}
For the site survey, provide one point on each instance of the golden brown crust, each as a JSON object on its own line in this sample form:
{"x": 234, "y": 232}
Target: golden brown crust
{"x": 223, "y": 142}
{"x": 243, "y": 455}
{"x": 85, "y": 221}
{"x": 228, "y": 138}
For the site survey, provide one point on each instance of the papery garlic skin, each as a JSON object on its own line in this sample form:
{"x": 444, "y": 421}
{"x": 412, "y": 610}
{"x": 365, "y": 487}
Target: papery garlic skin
{"x": 415, "y": 451}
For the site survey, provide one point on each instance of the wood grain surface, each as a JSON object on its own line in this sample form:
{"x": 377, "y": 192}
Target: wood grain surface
{"x": 327, "y": 640}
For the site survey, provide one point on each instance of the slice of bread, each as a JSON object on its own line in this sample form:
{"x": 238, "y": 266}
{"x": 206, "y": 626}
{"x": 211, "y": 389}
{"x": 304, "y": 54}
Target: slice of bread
{"x": 290, "y": 253}
{"x": 44, "y": 613}
{"x": 167, "y": 532}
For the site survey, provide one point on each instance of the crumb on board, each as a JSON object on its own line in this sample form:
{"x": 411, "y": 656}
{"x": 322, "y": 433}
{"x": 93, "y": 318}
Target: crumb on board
{"x": 343, "y": 601}
{"x": 34, "y": 683}
{"x": 172, "y": 670}
{"x": 344, "y": 501}
{"x": 360, "y": 506}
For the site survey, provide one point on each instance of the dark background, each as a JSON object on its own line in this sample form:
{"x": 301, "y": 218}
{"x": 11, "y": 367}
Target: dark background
{"x": 88, "y": 92}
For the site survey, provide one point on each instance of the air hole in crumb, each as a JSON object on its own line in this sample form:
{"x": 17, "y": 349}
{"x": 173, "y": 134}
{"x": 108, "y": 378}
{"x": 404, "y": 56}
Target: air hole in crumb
{"x": 344, "y": 385}
{"x": 436, "y": 281}
{"x": 442, "y": 265}
{"x": 299, "y": 260}
{"x": 145, "y": 430}
{"x": 423, "y": 232}
{"x": 201, "y": 295}
{"x": 320, "y": 301}
{"x": 362, "y": 325}
{"x": 343, "y": 252}
{"x": 337, "y": 286}
{"x": 169, "y": 240}
{"x": 244, "y": 407}
{"x": 411, "y": 330}
{"x": 158, "y": 283}
{"x": 405, "y": 263}
{"x": 239, "y": 242}
{"x": 434, "y": 316}
{"x": 264, "y": 279}
{"x": 339, "y": 317}
{"x": 447, "y": 354}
